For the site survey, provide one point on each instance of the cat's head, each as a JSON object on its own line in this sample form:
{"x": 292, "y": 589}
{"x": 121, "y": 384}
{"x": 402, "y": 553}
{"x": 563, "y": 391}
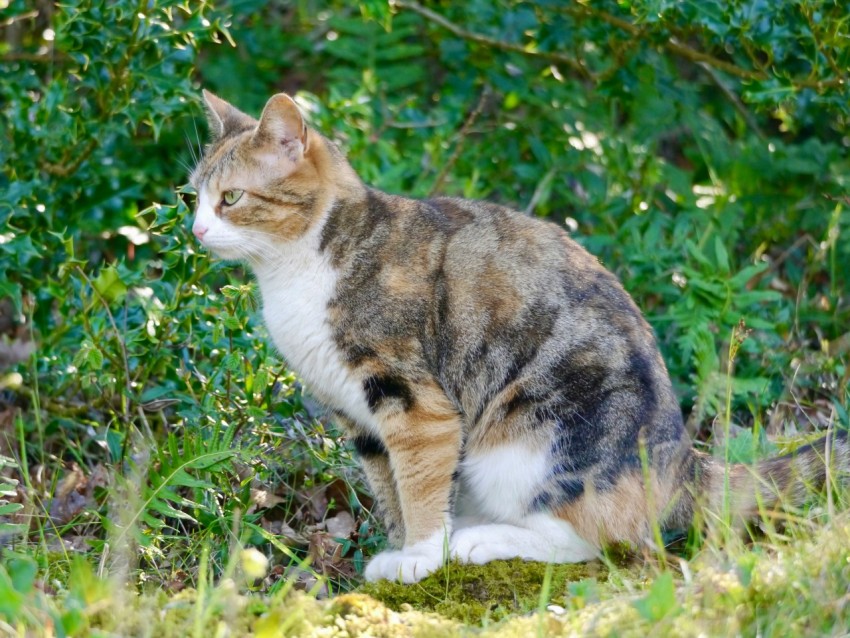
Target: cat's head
{"x": 260, "y": 183}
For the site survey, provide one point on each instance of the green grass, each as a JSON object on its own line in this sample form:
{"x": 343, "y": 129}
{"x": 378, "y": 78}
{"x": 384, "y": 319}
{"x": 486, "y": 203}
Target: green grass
{"x": 790, "y": 586}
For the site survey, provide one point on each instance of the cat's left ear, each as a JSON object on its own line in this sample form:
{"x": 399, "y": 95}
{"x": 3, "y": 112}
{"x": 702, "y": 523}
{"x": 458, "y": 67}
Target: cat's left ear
{"x": 282, "y": 127}
{"x": 224, "y": 118}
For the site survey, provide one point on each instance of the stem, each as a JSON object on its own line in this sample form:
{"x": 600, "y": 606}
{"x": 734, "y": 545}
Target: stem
{"x": 125, "y": 408}
{"x": 462, "y": 135}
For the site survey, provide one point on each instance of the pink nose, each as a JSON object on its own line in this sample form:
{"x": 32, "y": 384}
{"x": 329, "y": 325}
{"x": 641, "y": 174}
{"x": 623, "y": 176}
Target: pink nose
{"x": 199, "y": 230}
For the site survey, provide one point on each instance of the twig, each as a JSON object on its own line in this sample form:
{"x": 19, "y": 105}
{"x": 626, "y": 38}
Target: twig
{"x": 410, "y": 125}
{"x": 45, "y": 58}
{"x": 677, "y": 47}
{"x": 830, "y": 505}
{"x": 821, "y": 49}
{"x": 541, "y": 187}
{"x": 776, "y": 263}
{"x": 674, "y": 45}
{"x": 462, "y": 135}
{"x": 22, "y": 16}
{"x": 57, "y": 407}
{"x": 734, "y": 99}
{"x": 63, "y": 170}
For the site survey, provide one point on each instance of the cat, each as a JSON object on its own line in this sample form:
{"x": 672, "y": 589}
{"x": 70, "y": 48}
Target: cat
{"x": 504, "y": 393}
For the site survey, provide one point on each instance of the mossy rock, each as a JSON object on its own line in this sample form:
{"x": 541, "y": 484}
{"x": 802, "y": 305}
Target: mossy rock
{"x": 475, "y": 593}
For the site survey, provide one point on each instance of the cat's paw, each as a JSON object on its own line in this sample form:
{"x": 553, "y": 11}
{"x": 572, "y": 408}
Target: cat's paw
{"x": 553, "y": 541}
{"x": 474, "y": 545}
{"x": 408, "y": 565}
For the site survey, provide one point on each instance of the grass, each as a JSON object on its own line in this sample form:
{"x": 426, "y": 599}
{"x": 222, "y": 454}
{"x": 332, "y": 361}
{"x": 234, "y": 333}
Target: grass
{"x": 796, "y": 584}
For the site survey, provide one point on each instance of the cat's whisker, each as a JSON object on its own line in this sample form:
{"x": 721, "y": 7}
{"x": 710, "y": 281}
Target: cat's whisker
{"x": 259, "y": 243}
{"x": 192, "y": 153}
{"x": 185, "y": 165}
{"x": 198, "y": 139}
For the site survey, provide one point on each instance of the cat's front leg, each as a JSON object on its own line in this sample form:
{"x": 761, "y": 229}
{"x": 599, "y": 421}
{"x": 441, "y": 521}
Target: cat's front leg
{"x": 422, "y": 433}
{"x": 375, "y": 462}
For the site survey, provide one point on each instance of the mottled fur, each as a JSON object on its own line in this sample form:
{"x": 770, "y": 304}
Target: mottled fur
{"x": 499, "y": 384}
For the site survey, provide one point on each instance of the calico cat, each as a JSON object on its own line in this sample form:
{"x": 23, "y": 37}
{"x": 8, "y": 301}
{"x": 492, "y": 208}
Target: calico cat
{"x": 503, "y": 391}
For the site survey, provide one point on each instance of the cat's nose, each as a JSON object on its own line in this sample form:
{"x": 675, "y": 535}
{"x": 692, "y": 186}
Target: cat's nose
{"x": 200, "y": 230}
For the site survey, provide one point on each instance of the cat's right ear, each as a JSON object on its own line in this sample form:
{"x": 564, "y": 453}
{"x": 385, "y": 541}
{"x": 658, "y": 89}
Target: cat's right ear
{"x": 224, "y": 118}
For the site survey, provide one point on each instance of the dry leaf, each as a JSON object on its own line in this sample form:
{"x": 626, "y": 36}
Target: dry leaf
{"x": 264, "y": 499}
{"x": 327, "y": 558}
{"x": 340, "y": 526}
{"x": 75, "y": 493}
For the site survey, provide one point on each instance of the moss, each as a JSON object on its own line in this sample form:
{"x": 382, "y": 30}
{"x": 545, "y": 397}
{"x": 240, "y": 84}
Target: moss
{"x": 475, "y": 593}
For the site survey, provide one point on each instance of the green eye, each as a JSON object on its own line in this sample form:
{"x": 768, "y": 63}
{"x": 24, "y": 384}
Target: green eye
{"x": 231, "y": 197}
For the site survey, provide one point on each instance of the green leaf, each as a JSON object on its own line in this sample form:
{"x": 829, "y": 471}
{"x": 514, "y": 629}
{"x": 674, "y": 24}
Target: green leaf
{"x": 10, "y": 508}
{"x": 210, "y": 460}
{"x": 12, "y": 529}
{"x": 94, "y": 357}
{"x": 721, "y": 254}
{"x": 23, "y": 570}
{"x": 697, "y": 254}
{"x": 109, "y": 285}
{"x": 660, "y": 601}
{"x": 167, "y": 510}
{"x": 233, "y": 361}
{"x": 183, "y": 478}
{"x": 232, "y": 323}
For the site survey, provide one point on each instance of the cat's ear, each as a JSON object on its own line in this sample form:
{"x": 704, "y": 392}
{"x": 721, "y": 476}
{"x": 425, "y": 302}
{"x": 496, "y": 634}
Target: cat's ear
{"x": 282, "y": 127}
{"x": 224, "y": 118}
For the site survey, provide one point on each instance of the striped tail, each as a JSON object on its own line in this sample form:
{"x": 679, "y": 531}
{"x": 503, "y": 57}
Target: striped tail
{"x": 787, "y": 480}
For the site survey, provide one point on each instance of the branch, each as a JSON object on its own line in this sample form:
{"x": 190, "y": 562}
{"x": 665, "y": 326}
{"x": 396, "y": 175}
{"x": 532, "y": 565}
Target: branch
{"x": 674, "y": 45}
{"x": 436, "y": 18}
{"x": 120, "y": 341}
{"x": 683, "y": 50}
{"x": 41, "y": 58}
{"x": 18, "y": 18}
{"x": 735, "y": 100}
{"x": 63, "y": 170}
{"x": 583, "y": 10}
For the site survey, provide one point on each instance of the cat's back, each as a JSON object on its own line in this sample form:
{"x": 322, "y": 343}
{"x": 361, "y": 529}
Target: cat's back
{"x": 513, "y": 265}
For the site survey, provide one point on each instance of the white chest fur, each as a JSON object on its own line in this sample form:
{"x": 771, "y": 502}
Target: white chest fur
{"x": 296, "y": 287}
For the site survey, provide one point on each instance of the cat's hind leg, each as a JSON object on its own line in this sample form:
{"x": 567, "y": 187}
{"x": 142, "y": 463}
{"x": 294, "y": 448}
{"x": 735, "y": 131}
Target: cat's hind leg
{"x": 540, "y": 537}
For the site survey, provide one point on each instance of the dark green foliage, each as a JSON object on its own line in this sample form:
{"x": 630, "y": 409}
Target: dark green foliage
{"x": 700, "y": 149}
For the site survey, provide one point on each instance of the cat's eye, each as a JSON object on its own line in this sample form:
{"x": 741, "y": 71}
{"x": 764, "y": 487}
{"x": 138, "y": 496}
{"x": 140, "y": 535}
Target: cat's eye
{"x": 231, "y": 197}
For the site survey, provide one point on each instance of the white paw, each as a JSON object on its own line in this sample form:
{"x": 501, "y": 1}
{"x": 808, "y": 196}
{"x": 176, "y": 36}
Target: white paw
{"x": 470, "y": 545}
{"x": 551, "y": 541}
{"x": 408, "y": 565}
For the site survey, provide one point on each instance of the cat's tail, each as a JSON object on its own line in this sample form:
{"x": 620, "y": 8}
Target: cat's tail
{"x": 713, "y": 489}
